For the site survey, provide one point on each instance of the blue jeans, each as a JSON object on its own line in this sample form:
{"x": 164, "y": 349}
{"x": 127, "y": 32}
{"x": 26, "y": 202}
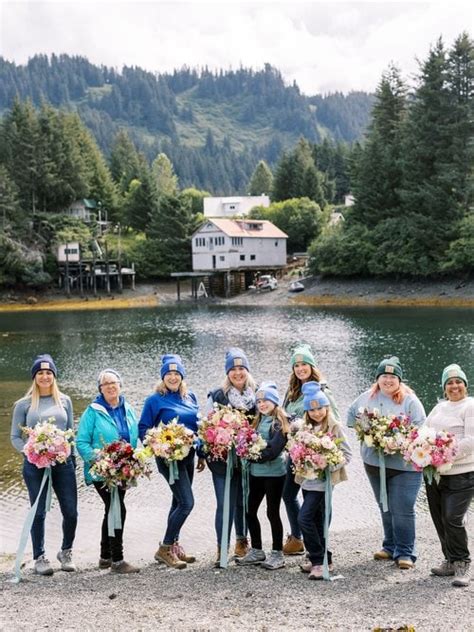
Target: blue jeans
{"x": 290, "y": 498}
{"x": 64, "y": 484}
{"x": 311, "y": 521}
{"x": 183, "y": 499}
{"x": 218, "y": 480}
{"x": 399, "y": 521}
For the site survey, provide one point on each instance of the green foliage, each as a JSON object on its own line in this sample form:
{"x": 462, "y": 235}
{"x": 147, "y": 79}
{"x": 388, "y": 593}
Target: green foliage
{"x": 342, "y": 251}
{"x": 194, "y": 198}
{"x": 166, "y": 182}
{"x": 20, "y": 264}
{"x": 261, "y": 180}
{"x": 460, "y": 254}
{"x": 301, "y": 219}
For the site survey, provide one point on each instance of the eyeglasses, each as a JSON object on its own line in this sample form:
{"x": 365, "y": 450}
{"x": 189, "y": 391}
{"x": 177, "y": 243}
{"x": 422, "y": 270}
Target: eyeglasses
{"x": 109, "y": 383}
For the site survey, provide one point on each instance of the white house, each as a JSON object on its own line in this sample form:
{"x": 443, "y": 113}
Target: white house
{"x": 69, "y": 252}
{"x": 82, "y": 209}
{"x": 233, "y": 206}
{"x": 226, "y": 244}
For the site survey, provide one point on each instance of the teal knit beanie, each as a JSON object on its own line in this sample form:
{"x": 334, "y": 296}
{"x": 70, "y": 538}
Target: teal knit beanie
{"x": 453, "y": 370}
{"x": 303, "y": 353}
{"x": 390, "y": 366}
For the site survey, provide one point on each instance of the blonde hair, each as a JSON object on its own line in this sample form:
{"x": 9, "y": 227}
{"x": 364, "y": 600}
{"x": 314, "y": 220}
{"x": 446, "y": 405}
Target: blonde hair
{"x": 399, "y": 395}
{"x": 326, "y": 424}
{"x": 33, "y": 393}
{"x": 162, "y": 390}
{"x": 294, "y": 388}
{"x": 249, "y": 383}
{"x": 279, "y": 418}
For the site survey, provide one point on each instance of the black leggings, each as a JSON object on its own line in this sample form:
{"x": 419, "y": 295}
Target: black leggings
{"x": 270, "y": 487}
{"x": 111, "y": 547}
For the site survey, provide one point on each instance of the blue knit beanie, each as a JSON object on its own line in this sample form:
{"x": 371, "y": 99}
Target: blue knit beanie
{"x": 172, "y": 362}
{"x": 313, "y": 396}
{"x": 43, "y": 362}
{"x": 235, "y": 357}
{"x": 269, "y": 391}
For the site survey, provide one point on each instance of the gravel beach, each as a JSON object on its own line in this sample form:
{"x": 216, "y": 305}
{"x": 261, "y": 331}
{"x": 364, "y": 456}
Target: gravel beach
{"x": 367, "y": 595}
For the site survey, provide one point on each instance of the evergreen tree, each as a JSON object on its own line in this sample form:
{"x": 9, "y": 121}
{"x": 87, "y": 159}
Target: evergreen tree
{"x": 261, "y": 180}
{"x": 124, "y": 161}
{"x": 378, "y": 173}
{"x": 166, "y": 182}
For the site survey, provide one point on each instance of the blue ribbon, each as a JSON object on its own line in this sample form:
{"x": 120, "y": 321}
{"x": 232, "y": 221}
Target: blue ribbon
{"x": 327, "y": 514}
{"x": 383, "y": 483}
{"x": 114, "y": 518}
{"x": 29, "y": 523}
{"x": 245, "y": 489}
{"x": 173, "y": 472}
{"x": 226, "y": 510}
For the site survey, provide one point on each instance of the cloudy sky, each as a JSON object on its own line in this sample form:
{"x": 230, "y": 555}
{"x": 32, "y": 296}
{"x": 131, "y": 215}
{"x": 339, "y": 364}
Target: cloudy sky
{"x": 323, "y": 46}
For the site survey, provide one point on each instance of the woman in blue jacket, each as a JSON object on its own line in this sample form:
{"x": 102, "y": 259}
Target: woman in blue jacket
{"x": 109, "y": 418}
{"x": 173, "y": 399}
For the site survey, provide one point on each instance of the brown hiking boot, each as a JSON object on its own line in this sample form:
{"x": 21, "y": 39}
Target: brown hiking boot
{"x": 293, "y": 546}
{"x": 462, "y": 574}
{"x": 123, "y": 568}
{"x": 166, "y": 555}
{"x": 241, "y": 547}
{"x": 383, "y": 555}
{"x": 217, "y": 561}
{"x": 181, "y": 555}
{"x": 445, "y": 569}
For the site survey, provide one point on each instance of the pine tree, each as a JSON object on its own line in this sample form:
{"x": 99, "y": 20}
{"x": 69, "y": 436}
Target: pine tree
{"x": 261, "y": 180}
{"x": 166, "y": 182}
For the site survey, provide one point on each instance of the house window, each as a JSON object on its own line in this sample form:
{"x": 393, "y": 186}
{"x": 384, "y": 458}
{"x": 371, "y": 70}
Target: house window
{"x": 200, "y": 241}
{"x": 232, "y": 207}
{"x": 221, "y": 258}
{"x": 220, "y": 241}
{"x": 237, "y": 241}
{"x": 210, "y": 240}
{"x": 242, "y": 257}
{"x": 252, "y": 257}
{"x": 276, "y": 243}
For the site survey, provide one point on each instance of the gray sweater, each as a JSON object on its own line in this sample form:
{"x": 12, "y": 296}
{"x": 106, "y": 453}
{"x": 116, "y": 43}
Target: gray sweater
{"x": 24, "y": 416}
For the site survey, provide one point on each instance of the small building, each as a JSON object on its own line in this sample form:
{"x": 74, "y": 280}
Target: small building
{"x": 349, "y": 200}
{"x": 241, "y": 244}
{"x": 88, "y": 211}
{"x": 233, "y": 206}
{"x": 69, "y": 252}
{"x": 335, "y": 218}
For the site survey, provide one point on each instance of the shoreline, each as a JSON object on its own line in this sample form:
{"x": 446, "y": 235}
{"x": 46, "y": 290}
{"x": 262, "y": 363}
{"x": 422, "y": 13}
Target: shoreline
{"x": 318, "y": 293}
{"x": 367, "y": 595}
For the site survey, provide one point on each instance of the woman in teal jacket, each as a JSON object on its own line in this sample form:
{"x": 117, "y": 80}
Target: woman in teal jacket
{"x": 108, "y": 418}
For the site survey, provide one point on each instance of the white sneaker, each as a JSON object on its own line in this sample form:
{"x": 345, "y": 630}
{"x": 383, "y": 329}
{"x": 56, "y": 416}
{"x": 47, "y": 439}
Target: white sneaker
{"x": 274, "y": 561}
{"x": 254, "y": 556}
{"x": 65, "y": 557}
{"x": 42, "y": 566}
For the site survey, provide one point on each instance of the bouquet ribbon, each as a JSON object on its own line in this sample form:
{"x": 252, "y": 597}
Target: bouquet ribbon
{"x": 46, "y": 480}
{"x": 383, "y": 482}
{"x": 245, "y": 489}
{"x": 114, "y": 518}
{"x": 226, "y": 510}
{"x": 173, "y": 472}
{"x": 327, "y": 516}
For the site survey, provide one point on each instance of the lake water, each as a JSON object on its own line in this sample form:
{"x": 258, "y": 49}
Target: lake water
{"x": 348, "y": 344}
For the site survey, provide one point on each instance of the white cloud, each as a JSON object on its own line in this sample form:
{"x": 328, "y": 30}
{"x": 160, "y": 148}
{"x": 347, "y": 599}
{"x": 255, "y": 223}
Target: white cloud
{"x": 324, "y": 46}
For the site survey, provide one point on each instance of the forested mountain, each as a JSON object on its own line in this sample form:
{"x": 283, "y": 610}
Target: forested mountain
{"x": 214, "y": 126}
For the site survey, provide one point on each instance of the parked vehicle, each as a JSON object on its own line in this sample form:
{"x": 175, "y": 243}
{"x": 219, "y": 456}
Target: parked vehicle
{"x": 267, "y": 282}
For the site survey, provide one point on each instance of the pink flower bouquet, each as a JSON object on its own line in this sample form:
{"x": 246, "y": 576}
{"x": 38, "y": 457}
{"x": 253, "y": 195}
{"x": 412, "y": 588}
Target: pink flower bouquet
{"x": 312, "y": 452}
{"x": 119, "y": 465}
{"x": 218, "y": 433}
{"x": 47, "y": 444}
{"x": 249, "y": 443}
{"x": 430, "y": 452}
